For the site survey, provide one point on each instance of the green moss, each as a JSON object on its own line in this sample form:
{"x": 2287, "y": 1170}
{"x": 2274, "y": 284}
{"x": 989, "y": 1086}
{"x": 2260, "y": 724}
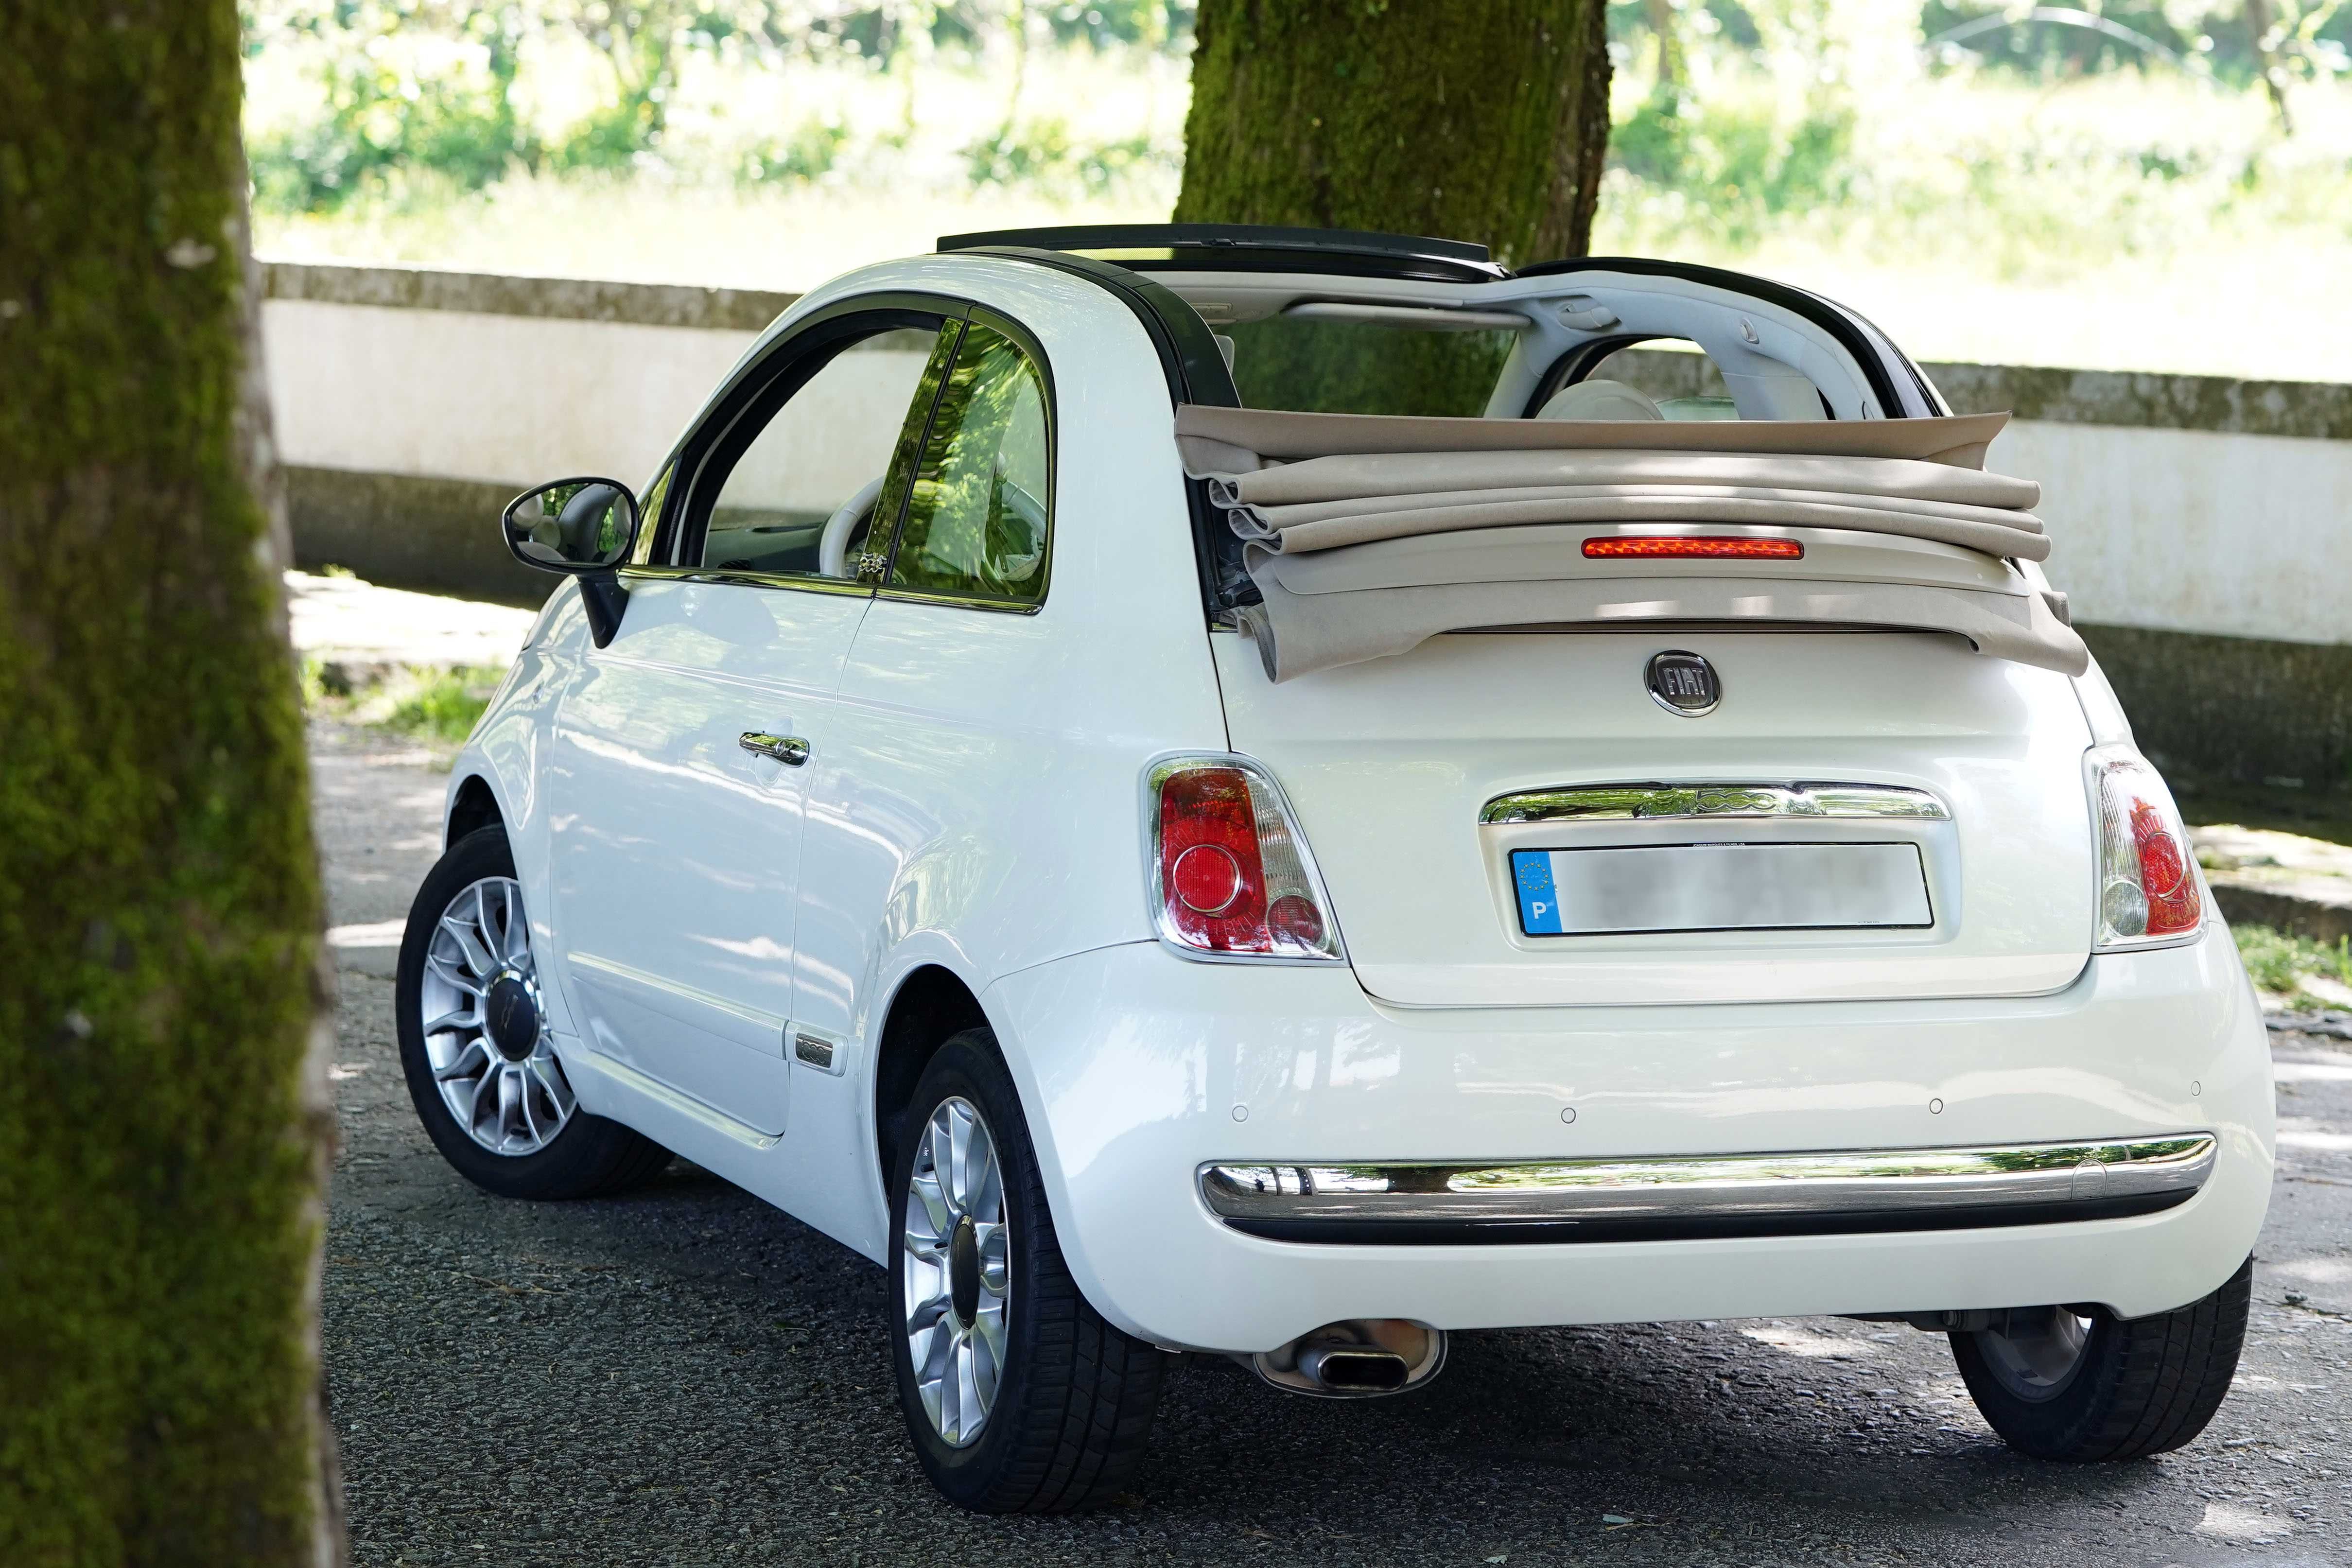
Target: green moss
{"x": 159, "y": 1162}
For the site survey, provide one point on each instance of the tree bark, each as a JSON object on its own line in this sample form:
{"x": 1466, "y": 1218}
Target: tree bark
{"x": 163, "y": 1018}
{"x": 1482, "y": 122}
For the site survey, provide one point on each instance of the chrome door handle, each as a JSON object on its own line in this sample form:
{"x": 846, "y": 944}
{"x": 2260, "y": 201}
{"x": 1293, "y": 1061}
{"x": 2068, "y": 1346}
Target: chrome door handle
{"x": 789, "y": 750}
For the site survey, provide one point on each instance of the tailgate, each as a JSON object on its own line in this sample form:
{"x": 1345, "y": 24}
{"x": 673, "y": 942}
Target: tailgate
{"x": 1390, "y": 764}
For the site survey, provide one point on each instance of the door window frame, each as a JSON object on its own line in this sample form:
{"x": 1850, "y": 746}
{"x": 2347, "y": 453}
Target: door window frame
{"x": 680, "y": 473}
{"x": 682, "y": 479}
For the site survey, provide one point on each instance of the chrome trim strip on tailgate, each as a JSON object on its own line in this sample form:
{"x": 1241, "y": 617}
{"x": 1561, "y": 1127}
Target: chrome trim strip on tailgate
{"x": 1730, "y": 1195}
{"x": 1645, "y": 802}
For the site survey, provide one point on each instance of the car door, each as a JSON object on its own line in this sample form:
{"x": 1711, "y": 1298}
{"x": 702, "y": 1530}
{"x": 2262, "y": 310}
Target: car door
{"x": 937, "y": 772}
{"x": 677, "y": 776}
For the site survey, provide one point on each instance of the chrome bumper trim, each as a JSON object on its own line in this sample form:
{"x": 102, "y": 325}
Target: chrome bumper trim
{"x": 1730, "y": 1195}
{"x": 1655, "y": 802}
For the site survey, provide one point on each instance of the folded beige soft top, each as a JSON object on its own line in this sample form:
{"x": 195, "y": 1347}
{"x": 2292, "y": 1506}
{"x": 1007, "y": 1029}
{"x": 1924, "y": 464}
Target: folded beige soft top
{"x": 1321, "y": 488}
{"x": 1213, "y": 438}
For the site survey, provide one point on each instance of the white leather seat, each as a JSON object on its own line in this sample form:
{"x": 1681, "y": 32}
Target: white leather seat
{"x": 1600, "y": 400}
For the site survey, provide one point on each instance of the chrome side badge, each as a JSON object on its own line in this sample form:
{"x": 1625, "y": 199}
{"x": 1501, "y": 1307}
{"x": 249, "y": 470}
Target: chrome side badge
{"x": 816, "y": 1052}
{"x": 1683, "y": 683}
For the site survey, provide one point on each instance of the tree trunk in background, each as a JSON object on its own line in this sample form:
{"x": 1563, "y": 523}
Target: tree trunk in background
{"x": 163, "y": 1024}
{"x": 1482, "y": 122}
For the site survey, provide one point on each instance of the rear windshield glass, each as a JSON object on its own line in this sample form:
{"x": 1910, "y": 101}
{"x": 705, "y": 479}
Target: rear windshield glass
{"x": 1358, "y": 367}
{"x": 1364, "y": 367}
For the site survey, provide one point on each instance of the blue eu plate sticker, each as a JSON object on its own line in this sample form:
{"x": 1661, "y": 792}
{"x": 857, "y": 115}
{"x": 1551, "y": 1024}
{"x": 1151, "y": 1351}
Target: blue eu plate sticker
{"x": 1538, "y": 904}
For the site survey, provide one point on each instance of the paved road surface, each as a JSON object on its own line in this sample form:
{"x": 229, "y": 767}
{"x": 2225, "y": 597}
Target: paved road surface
{"x": 687, "y": 1376}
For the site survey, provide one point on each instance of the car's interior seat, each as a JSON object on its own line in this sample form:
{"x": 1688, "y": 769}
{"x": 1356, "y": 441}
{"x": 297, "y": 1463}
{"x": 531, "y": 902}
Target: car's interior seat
{"x": 1600, "y": 400}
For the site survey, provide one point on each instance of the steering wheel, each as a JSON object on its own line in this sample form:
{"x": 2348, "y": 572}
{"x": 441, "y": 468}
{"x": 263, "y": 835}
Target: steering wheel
{"x": 832, "y": 544}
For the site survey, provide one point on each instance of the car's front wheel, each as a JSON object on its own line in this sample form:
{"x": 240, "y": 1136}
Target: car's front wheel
{"x": 475, "y": 1046}
{"x": 2083, "y": 1385}
{"x": 1019, "y": 1397}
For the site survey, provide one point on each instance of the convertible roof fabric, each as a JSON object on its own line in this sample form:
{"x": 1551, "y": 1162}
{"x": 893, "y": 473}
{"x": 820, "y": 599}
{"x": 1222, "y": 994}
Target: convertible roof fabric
{"x": 1307, "y": 488}
{"x": 1256, "y": 434}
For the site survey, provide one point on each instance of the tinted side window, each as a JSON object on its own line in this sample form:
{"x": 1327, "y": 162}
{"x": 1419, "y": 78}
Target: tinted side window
{"x": 979, "y": 510}
{"x": 792, "y": 488}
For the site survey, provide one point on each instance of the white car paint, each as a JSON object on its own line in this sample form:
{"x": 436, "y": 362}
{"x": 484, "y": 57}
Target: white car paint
{"x": 969, "y": 804}
{"x": 1139, "y": 1061}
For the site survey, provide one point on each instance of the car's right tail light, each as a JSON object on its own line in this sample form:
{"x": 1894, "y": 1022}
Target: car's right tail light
{"x": 2148, "y": 888}
{"x": 1229, "y": 874}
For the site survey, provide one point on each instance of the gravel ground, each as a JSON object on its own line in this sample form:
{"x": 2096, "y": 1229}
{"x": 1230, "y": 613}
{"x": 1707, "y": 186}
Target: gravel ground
{"x": 685, "y": 1375}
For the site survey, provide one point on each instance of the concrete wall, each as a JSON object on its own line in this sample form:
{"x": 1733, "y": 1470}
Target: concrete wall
{"x": 2203, "y": 525}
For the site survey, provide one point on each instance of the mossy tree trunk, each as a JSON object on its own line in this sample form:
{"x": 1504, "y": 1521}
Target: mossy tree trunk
{"x": 1482, "y": 122}
{"x": 163, "y": 1017}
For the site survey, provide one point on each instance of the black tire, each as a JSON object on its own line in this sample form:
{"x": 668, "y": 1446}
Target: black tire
{"x": 2138, "y": 1387}
{"x": 1074, "y": 1406}
{"x": 590, "y": 1156}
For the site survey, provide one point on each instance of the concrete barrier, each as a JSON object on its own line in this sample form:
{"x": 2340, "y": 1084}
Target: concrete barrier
{"x": 2203, "y": 525}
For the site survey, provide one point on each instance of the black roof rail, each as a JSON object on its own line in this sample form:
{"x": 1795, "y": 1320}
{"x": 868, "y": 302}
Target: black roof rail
{"x": 1249, "y": 246}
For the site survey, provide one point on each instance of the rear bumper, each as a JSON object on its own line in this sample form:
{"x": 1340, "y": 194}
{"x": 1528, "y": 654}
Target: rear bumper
{"x": 1138, "y": 1069}
{"x": 1820, "y": 1192}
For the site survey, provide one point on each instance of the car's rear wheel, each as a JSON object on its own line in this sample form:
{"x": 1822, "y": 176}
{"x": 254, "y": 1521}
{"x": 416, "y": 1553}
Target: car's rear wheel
{"x": 475, "y": 1046}
{"x": 2082, "y": 1386}
{"x": 1019, "y": 1397}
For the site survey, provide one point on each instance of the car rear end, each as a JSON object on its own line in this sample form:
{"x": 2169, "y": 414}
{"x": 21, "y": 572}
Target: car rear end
{"x": 1941, "y": 1085}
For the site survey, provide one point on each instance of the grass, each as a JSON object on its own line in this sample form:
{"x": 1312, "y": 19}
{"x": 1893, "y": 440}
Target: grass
{"x": 439, "y": 706}
{"x": 2279, "y": 964}
{"x": 443, "y": 704}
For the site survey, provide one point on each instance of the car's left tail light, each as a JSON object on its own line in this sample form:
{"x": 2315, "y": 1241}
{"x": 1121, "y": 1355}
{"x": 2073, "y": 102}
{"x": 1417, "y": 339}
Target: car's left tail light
{"x": 2148, "y": 888}
{"x": 1230, "y": 875}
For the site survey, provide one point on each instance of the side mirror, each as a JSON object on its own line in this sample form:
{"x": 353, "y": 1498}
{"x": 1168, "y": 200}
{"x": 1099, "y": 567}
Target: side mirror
{"x": 572, "y": 526}
{"x": 584, "y": 528}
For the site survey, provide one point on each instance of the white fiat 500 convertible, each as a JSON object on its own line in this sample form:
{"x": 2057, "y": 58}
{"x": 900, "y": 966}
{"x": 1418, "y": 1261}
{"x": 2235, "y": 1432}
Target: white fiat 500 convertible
{"x": 1285, "y": 793}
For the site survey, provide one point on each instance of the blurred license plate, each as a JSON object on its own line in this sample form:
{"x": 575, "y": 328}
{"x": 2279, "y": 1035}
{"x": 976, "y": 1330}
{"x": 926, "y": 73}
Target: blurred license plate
{"x": 1719, "y": 887}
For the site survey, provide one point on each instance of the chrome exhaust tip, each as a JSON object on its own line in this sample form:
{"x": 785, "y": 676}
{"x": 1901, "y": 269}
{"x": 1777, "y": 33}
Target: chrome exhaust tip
{"x": 1361, "y": 1358}
{"x": 1350, "y": 1369}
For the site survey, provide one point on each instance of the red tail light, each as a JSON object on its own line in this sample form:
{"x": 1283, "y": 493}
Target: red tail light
{"x": 1674, "y": 546}
{"x": 2148, "y": 889}
{"x": 1229, "y": 874}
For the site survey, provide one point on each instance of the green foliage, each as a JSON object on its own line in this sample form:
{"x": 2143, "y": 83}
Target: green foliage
{"x": 2228, "y": 38}
{"x": 418, "y": 101}
{"x": 443, "y": 704}
{"x": 2278, "y": 962}
{"x": 1735, "y": 161}
{"x": 1043, "y": 152}
{"x": 806, "y": 155}
{"x": 1153, "y": 22}
{"x": 391, "y": 115}
{"x": 1826, "y": 131}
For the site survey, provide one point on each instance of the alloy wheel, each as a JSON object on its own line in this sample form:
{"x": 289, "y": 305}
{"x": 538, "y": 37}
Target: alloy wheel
{"x": 486, "y": 1032}
{"x": 957, "y": 1282}
{"x": 2034, "y": 1352}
